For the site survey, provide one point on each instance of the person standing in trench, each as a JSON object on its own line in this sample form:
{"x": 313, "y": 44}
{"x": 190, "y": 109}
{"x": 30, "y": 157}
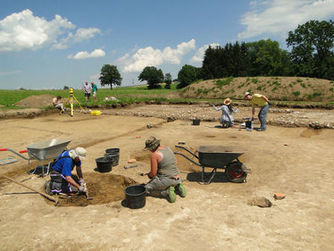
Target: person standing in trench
{"x": 262, "y": 102}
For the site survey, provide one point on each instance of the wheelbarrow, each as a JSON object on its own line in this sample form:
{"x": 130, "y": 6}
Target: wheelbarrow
{"x": 42, "y": 151}
{"x": 218, "y": 156}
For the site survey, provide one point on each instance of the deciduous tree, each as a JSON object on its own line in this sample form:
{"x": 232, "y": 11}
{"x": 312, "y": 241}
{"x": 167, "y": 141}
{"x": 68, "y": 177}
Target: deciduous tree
{"x": 312, "y": 49}
{"x": 187, "y": 75}
{"x": 110, "y": 75}
{"x": 153, "y": 76}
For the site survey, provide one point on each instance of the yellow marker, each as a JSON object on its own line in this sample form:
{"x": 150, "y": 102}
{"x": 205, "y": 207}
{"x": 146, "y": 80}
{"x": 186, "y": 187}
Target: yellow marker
{"x": 71, "y": 101}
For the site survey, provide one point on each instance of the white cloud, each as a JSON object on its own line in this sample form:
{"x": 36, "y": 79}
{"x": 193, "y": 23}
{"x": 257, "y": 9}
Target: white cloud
{"x": 97, "y": 53}
{"x": 24, "y": 31}
{"x": 80, "y": 35}
{"x": 199, "y": 55}
{"x": 154, "y": 57}
{"x": 280, "y": 16}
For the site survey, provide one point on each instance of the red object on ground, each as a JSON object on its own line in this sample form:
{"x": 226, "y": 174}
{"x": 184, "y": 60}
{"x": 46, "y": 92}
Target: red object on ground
{"x": 131, "y": 160}
{"x": 279, "y": 196}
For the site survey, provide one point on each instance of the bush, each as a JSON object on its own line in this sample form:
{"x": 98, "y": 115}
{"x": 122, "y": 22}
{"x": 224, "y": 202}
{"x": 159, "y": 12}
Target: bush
{"x": 254, "y": 80}
{"x": 296, "y": 93}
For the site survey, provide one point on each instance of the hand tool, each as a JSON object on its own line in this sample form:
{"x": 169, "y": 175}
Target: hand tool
{"x": 32, "y": 189}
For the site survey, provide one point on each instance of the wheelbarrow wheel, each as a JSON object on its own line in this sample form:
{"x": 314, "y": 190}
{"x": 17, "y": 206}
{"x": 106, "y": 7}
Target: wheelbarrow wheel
{"x": 235, "y": 172}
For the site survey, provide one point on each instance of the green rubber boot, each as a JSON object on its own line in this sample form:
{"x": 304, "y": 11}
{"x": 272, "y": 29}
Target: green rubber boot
{"x": 181, "y": 190}
{"x": 171, "y": 196}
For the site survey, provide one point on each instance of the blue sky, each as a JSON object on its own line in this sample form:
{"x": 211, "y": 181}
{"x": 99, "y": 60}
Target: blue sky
{"x": 48, "y": 44}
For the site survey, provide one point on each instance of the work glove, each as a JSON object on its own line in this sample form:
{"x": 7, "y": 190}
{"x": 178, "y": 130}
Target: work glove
{"x": 83, "y": 188}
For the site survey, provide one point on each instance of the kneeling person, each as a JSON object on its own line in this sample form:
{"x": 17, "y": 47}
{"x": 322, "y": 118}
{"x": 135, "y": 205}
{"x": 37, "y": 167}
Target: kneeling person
{"x": 165, "y": 179}
{"x": 62, "y": 180}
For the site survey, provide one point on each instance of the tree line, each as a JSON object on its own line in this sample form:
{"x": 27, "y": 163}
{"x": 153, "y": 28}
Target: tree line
{"x": 311, "y": 55}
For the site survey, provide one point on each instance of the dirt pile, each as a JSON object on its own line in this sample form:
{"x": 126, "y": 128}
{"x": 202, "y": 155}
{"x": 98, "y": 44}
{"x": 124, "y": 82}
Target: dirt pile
{"x": 103, "y": 188}
{"x": 36, "y": 101}
{"x": 276, "y": 88}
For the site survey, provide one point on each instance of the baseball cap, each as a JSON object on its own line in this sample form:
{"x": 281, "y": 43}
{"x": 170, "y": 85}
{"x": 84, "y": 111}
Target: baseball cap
{"x": 152, "y": 143}
{"x": 81, "y": 152}
{"x": 78, "y": 152}
{"x": 246, "y": 94}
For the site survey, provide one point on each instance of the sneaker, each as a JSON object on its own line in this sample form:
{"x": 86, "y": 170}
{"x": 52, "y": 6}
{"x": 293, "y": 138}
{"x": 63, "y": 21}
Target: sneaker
{"x": 171, "y": 196}
{"x": 48, "y": 187}
{"x": 181, "y": 190}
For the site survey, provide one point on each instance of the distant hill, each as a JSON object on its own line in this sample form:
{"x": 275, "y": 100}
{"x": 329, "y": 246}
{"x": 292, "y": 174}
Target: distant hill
{"x": 275, "y": 88}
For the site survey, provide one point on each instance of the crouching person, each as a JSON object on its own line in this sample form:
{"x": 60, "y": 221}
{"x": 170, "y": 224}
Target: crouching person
{"x": 165, "y": 179}
{"x": 62, "y": 180}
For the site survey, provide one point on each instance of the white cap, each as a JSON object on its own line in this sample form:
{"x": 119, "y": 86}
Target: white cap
{"x": 246, "y": 94}
{"x": 78, "y": 152}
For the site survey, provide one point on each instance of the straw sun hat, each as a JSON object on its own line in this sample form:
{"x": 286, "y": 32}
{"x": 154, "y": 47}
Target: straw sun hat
{"x": 227, "y": 101}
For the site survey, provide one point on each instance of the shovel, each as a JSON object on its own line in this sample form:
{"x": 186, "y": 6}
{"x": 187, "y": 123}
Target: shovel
{"x": 43, "y": 194}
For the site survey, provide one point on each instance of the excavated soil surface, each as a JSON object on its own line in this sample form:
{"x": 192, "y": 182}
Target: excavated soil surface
{"x": 292, "y": 160}
{"x": 103, "y": 188}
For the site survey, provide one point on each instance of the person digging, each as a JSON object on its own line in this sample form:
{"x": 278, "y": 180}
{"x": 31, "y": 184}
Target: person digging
{"x": 262, "y": 102}
{"x": 165, "y": 179}
{"x": 61, "y": 178}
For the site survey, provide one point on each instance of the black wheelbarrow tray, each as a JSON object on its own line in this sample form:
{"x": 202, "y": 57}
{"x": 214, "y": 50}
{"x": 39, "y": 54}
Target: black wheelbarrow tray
{"x": 218, "y": 156}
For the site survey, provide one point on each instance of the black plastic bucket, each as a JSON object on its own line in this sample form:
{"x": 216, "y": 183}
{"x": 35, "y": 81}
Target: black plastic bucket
{"x": 113, "y": 155}
{"x": 249, "y": 124}
{"x": 196, "y": 121}
{"x": 103, "y": 165}
{"x": 135, "y": 196}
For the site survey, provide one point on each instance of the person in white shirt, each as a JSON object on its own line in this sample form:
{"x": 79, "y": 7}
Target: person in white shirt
{"x": 88, "y": 89}
{"x": 227, "y": 118}
{"x": 57, "y": 102}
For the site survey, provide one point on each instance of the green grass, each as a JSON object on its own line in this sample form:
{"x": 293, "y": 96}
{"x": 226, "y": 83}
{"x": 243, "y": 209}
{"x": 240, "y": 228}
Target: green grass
{"x": 296, "y": 93}
{"x": 221, "y": 82}
{"x": 8, "y": 98}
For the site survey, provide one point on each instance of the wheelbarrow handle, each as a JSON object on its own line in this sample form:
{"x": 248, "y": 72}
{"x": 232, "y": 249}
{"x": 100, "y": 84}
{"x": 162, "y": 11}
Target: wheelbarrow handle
{"x": 184, "y": 148}
{"x": 186, "y": 157}
{"x": 18, "y": 154}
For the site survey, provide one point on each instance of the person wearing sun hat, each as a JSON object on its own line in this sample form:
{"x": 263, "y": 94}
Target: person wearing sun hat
{"x": 164, "y": 176}
{"x": 62, "y": 180}
{"x": 261, "y": 101}
{"x": 226, "y": 119}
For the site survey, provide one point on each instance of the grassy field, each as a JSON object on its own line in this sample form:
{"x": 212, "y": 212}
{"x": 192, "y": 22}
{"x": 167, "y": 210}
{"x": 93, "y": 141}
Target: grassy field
{"x": 212, "y": 91}
{"x": 125, "y": 95}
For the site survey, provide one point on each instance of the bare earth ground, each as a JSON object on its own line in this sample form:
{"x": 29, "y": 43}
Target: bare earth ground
{"x": 295, "y": 161}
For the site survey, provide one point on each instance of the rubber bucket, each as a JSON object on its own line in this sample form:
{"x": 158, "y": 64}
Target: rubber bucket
{"x": 249, "y": 124}
{"x": 135, "y": 196}
{"x": 113, "y": 155}
{"x": 196, "y": 121}
{"x": 103, "y": 165}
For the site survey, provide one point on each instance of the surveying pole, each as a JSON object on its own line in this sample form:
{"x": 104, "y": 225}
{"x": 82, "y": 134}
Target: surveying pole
{"x": 71, "y": 101}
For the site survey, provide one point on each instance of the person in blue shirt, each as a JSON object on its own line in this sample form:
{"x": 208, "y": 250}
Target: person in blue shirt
{"x": 62, "y": 180}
